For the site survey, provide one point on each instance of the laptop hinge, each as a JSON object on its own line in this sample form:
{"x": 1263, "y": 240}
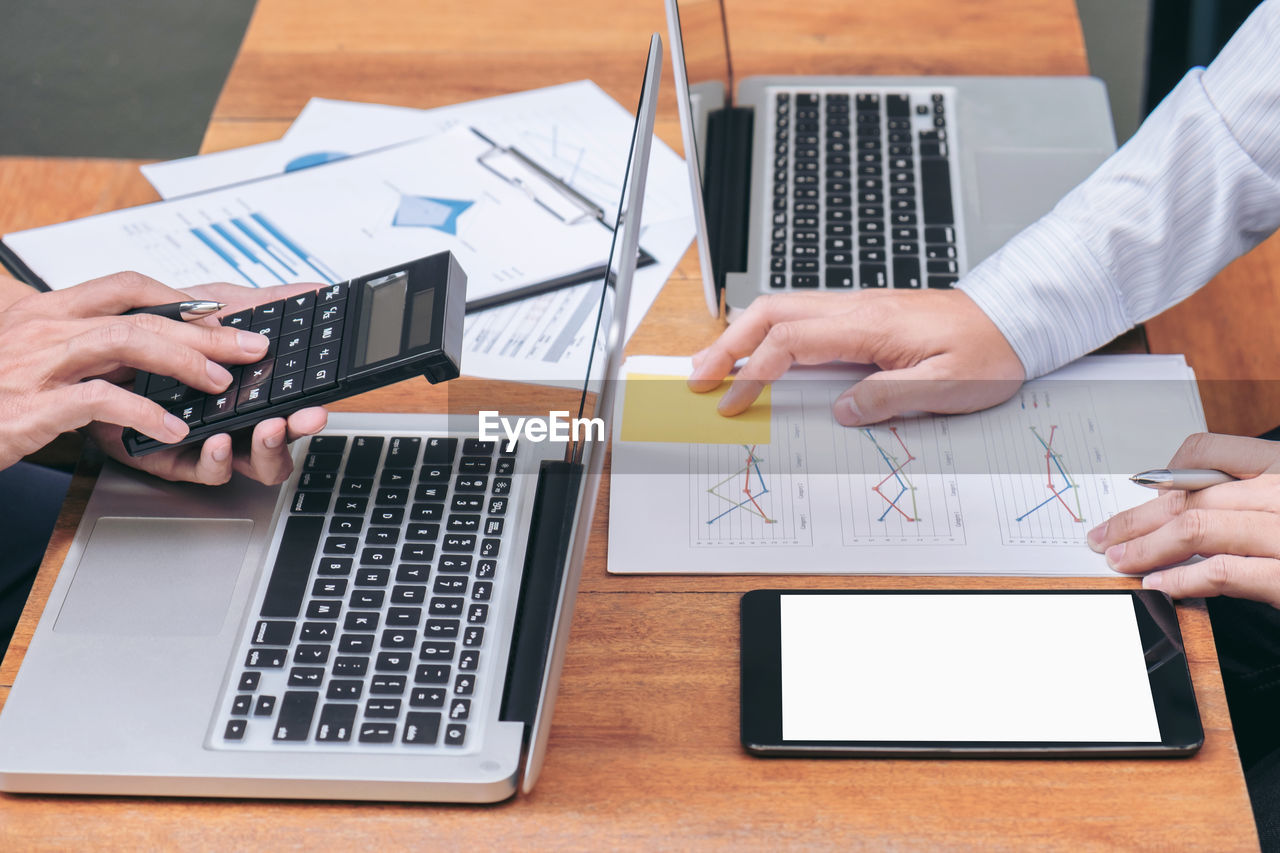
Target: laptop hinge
{"x": 544, "y": 565}
{"x": 727, "y": 189}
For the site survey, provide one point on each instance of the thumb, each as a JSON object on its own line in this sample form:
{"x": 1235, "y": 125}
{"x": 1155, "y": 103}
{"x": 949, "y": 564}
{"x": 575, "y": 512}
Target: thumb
{"x": 924, "y": 387}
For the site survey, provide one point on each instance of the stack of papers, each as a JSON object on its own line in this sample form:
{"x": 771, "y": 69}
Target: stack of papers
{"x": 784, "y": 489}
{"x": 353, "y": 188}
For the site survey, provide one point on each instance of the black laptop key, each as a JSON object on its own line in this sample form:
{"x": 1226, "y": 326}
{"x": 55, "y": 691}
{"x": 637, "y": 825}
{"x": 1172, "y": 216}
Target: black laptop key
{"x": 475, "y": 465}
{"x": 464, "y": 684}
{"x": 455, "y": 734}
{"x": 906, "y": 272}
{"x": 427, "y": 697}
{"x": 467, "y": 503}
{"x": 417, "y": 552}
{"x": 935, "y": 174}
{"x": 345, "y": 689}
{"x": 441, "y": 628}
{"x": 356, "y": 644}
{"x": 396, "y": 478}
{"x": 368, "y": 599}
{"x": 356, "y": 486}
{"x": 350, "y": 665}
{"x": 421, "y": 728}
{"x": 351, "y": 506}
{"x": 311, "y": 653}
{"x": 296, "y": 711}
{"x": 445, "y": 606}
{"x": 308, "y": 502}
{"x": 322, "y": 462}
{"x": 439, "y": 451}
{"x": 336, "y": 723}
{"x": 392, "y": 497}
{"x": 388, "y": 515}
{"x": 432, "y": 673}
{"x": 249, "y": 681}
{"x": 450, "y": 585}
{"x": 268, "y": 633}
{"x": 437, "y": 650}
{"x": 482, "y": 591}
{"x": 317, "y": 632}
{"x": 412, "y": 573}
{"x": 458, "y": 543}
{"x": 427, "y": 512}
{"x": 394, "y": 638}
{"x": 501, "y": 486}
{"x": 346, "y": 524}
{"x": 306, "y": 676}
{"x": 362, "y": 621}
{"x": 266, "y": 706}
{"x": 392, "y": 662}
{"x": 490, "y": 547}
{"x": 403, "y": 452}
{"x": 235, "y": 730}
{"x": 473, "y": 636}
{"x": 377, "y": 556}
{"x": 317, "y": 481}
{"x": 432, "y": 492}
{"x": 324, "y": 610}
{"x": 469, "y": 660}
{"x": 240, "y": 705}
{"x": 363, "y": 459}
{"x": 387, "y": 685}
{"x": 459, "y": 709}
{"x": 404, "y": 617}
{"x": 266, "y": 658}
{"x": 942, "y": 282}
{"x": 408, "y": 594}
{"x": 329, "y": 587}
{"x": 377, "y": 732}
{"x": 478, "y": 447}
{"x": 340, "y": 545}
{"x": 463, "y": 523}
{"x": 382, "y": 709}
{"x": 373, "y": 577}
{"x": 382, "y": 536}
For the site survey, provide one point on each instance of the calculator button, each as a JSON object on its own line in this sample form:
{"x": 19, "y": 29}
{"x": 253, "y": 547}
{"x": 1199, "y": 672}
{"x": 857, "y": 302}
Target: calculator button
{"x": 326, "y": 334}
{"x": 332, "y": 293}
{"x": 256, "y": 374}
{"x": 319, "y": 377}
{"x": 294, "y": 323}
{"x": 268, "y": 311}
{"x": 303, "y": 303}
{"x": 294, "y": 342}
{"x": 252, "y": 397}
{"x": 174, "y": 395}
{"x": 286, "y": 388}
{"x": 287, "y": 365}
{"x": 190, "y": 413}
{"x": 322, "y": 354}
{"x": 239, "y": 320}
{"x": 219, "y": 406}
{"x": 330, "y": 313}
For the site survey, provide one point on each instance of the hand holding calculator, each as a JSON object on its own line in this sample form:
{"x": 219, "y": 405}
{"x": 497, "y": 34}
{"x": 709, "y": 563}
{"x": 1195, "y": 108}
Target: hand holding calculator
{"x": 334, "y": 342}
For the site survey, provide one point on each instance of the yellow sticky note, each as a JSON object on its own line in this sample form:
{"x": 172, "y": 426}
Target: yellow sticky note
{"x": 662, "y": 408}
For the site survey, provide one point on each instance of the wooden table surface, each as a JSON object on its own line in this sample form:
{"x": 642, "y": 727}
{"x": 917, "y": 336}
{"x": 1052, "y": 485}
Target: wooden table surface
{"x": 644, "y": 751}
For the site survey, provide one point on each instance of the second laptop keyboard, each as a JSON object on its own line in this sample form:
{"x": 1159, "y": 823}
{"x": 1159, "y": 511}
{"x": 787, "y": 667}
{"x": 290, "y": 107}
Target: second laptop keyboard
{"x": 861, "y": 190}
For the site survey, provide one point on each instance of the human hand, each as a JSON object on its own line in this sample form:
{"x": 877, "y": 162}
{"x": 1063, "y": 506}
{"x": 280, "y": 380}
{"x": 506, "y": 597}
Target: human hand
{"x": 61, "y": 354}
{"x": 930, "y": 346}
{"x": 1235, "y": 526}
{"x": 264, "y": 455}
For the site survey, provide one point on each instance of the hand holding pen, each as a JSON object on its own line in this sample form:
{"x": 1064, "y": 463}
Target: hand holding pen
{"x": 1220, "y": 500}
{"x": 192, "y": 309}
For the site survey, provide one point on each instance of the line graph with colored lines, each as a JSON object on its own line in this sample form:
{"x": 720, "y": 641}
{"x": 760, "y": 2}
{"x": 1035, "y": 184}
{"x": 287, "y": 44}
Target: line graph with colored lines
{"x": 897, "y": 484}
{"x": 748, "y": 494}
{"x": 1049, "y": 471}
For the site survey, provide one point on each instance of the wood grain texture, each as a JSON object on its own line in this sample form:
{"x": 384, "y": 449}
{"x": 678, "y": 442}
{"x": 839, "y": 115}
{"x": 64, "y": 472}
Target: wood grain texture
{"x": 644, "y": 750}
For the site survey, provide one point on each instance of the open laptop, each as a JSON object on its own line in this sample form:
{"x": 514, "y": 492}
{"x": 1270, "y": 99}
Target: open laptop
{"x": 840, "y": 183}
{"x": 389, "y": 624}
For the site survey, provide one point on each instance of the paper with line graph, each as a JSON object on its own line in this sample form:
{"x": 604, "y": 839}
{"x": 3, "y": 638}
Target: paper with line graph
{"x": 1011, "y": 490}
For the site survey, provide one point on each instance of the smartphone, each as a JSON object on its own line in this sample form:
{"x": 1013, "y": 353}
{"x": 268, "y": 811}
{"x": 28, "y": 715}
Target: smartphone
{"x": 334, "y": 342}
{"x": 963, "y": 674}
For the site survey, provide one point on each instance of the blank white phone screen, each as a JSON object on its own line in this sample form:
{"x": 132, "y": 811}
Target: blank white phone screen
{"x": 964, "y": 668}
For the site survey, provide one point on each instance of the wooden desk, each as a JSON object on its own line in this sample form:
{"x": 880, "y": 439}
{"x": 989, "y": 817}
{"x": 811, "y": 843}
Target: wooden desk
{"x": 644, "y": 752}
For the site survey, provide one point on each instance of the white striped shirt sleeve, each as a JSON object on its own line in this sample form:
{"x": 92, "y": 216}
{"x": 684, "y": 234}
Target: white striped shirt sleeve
{"x": 1196, "y": 186}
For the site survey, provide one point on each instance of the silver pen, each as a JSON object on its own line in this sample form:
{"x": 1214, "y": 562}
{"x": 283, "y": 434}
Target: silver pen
{"x": 1186, "y": 479}
{"x": 183, "y": 311}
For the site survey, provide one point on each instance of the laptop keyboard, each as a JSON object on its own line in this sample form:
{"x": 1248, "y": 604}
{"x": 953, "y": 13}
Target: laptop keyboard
{"x": 371, "y": 628}
{"x": 862, "y": 190}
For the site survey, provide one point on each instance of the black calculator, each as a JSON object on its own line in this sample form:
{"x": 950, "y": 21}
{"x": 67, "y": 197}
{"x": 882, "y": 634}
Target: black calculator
{"x": 331, "y": 343}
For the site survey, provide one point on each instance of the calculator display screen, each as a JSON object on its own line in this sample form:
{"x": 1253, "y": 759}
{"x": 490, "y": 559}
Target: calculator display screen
{"x": 421, "y": 311}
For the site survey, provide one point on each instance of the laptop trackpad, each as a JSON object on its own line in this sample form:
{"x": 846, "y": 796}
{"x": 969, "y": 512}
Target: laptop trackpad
{"x": 155, "y": 577}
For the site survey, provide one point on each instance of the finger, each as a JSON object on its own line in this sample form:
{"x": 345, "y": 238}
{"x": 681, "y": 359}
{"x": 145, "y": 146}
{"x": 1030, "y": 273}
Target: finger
{"x": 74, "y": 406}
{"x": 208, "y": 464}
{"x": 714, "y": 363}
{"x": 1256, "y": 578}
{"x": 269, "y": 460}
{"x": 306, "y": 422}
{"x": 810, "y": 341}
{"x": 110, "y": 295}
{"x": 1199, "y": 531}
{"x": 921, "y": 388}
{"x": 1256, "y": 493}
{"x": 1238, "y": 456}
{"x": 187, "y": 353}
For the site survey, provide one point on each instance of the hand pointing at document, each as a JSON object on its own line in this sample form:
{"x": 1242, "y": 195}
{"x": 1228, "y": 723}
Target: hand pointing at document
{"x": 937, "y": 352}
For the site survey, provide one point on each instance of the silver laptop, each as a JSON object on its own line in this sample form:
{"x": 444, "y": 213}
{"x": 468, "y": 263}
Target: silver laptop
{"x": 842, "y": 183}
{"x": 389, "y": 624}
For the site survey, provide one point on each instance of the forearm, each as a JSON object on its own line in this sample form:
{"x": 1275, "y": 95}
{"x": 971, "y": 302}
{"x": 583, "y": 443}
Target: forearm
{"x": 1198, "y": 185}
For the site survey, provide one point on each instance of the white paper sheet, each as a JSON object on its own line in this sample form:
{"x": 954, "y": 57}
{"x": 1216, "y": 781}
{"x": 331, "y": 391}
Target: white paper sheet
{"x": 1012, "y": 490}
